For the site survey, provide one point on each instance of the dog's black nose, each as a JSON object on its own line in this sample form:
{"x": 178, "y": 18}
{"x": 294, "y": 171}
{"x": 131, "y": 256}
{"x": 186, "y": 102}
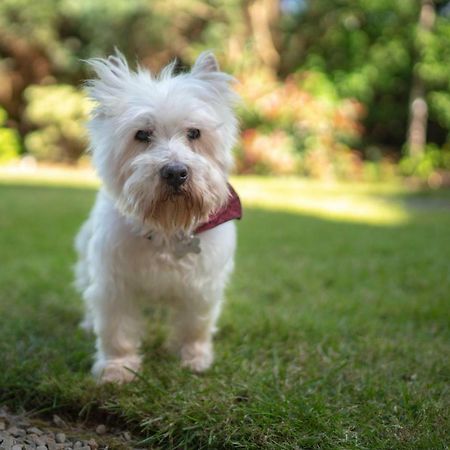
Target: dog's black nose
{"x": 175, "y": 174}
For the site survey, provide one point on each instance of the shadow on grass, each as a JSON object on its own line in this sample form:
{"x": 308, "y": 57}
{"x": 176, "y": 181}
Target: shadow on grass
{"x": 422, "y": 201}
{"x": 334, "y": 307}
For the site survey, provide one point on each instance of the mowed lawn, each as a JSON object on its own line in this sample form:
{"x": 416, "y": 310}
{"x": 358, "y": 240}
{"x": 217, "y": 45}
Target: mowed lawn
{"x": 335, "y": 333}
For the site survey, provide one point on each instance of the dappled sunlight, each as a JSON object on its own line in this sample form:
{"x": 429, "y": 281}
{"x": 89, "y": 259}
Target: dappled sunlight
{"x": 49, "y": 175}
{"x": 345, "y": 202}
{"x": 364, "y": 203}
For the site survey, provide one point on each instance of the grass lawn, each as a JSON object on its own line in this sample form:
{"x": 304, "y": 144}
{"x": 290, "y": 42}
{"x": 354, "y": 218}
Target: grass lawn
{"x": 335, "y": 333}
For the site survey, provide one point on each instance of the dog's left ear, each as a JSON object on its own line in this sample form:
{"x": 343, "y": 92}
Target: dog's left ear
{"x": 206, "y": 68}
{"x": 205, "y": 63}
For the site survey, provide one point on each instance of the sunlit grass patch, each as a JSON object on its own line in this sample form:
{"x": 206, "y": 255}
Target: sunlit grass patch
{"x": 48, "y": 175}
{"x": 366, "y": 203}
{"x": 349, "y": 202}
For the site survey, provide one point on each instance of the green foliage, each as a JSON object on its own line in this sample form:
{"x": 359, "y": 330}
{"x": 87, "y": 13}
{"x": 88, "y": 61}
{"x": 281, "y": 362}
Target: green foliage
{"x": 67, "y": 31}
{"x": 351, "y": 52}
{"x": 9, "y": 140}
{"x": 440, "y": 108}
{"x": 434, "y": 69}
{"x": 59, "y": 112}
{"x": 370, "y": 50}
{"x": 427, "y": 164}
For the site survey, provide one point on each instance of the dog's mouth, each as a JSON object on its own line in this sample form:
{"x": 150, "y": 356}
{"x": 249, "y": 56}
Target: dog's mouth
{"x": 171, "y": 208}
{"x": 176, "y": 207}
{"x": 176, "y": 192}
{"x": 170, "y": 193}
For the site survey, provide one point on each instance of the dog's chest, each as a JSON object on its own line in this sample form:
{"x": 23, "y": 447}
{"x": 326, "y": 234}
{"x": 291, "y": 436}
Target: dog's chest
{"x": 163, "y": 267}
{"x": 176, "y": 247}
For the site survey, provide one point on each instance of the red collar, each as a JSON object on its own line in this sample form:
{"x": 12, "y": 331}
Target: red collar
{"x": 232, "y": 210}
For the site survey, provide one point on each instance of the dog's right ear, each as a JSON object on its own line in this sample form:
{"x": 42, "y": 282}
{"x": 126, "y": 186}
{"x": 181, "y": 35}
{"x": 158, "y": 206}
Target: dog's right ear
{"x": 106, "y": 90}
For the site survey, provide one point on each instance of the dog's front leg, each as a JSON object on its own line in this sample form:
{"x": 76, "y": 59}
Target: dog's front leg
{"x": 193, "y": 328}
{"x": 118, "y": 330}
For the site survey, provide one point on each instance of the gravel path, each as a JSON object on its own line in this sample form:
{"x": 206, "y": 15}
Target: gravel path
{"x": 18, "y": 432}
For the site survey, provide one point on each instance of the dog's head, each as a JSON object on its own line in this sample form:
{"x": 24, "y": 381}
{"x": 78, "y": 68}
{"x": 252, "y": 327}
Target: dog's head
{"x": 162, "y": 144}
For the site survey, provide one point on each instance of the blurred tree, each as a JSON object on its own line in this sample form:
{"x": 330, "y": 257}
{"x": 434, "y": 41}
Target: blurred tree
{"x": 417, "y": 129}
{"x": 46, "y": 40}
{"x": 263, "y": 17}
{"x": 368, "y": 49}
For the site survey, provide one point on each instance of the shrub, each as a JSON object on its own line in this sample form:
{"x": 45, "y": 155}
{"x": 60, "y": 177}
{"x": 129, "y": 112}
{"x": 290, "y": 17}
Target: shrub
{"x": 59, "y": 113}
{"x": 427, "y": 165}
{"x": 9, "y": 140}
{"x": 299, "y": 126}
{"x": 265, "y": 153}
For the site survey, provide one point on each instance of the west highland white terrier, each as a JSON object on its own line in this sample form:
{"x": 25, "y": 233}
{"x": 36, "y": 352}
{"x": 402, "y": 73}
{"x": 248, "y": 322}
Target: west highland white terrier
{"x": 161, "y": 229}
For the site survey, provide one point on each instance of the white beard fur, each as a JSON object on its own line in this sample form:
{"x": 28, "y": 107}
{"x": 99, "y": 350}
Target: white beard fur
{"x": 119, "y": 270}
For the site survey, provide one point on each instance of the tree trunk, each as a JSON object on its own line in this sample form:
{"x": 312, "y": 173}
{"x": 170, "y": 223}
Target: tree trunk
{"x": 418, "y": 108}
{"x": 264, "y": 15}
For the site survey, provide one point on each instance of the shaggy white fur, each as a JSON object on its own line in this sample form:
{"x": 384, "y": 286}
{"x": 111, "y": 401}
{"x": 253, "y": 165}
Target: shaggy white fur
{"x": 162, "y": 147}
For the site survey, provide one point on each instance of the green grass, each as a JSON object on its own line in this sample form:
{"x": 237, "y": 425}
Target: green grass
{"x": 335, "y": 333}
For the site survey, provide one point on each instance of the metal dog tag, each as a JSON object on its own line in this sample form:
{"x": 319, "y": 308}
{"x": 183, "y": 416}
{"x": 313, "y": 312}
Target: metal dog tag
{"x": 186, "y": 244}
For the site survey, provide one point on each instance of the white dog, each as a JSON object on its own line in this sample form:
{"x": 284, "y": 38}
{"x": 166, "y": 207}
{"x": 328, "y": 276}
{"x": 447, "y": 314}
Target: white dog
{"x": 161, "y": 226}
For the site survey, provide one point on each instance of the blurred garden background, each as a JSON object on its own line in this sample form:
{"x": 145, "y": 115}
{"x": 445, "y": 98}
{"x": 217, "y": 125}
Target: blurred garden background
{"x": 336, "y": 329}
{"x": 353, "y": 90}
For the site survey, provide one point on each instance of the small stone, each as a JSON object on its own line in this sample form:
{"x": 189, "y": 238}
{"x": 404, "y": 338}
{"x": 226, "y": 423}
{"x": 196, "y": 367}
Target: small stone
{"x": 23, "y": 423}
{"x": 93, "y": 444}
{"x": 17, "y": 447}
{"x": 2, "y": 425}
{"x": 34, "y": 430}
{"x": 8, "y": 442}
{"x": 60, "y": 438}
{"x": 41, "y": 447}
{"x": 16, "y": 432}
{"x": 85, "y": 447}
{"x": 77, "y": 445}
{"x": 127, "y": 436}
{"x": 34, "y": 439}
{"x": 58, "y": 421}
{"x": 51, "y": 444}
{"x": 100, "y": 430}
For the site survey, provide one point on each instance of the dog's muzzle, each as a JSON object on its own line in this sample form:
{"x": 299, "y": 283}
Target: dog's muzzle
{"x": 174, "y": 174}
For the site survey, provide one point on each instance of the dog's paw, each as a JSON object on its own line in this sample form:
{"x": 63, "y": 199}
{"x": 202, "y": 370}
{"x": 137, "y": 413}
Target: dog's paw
{"x": 120, "y": 370}
{"x": 197, "y": 356}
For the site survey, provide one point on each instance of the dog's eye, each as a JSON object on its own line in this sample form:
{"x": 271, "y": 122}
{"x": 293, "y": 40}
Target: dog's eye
{"x": 143, "y": 135}
{"x": 193, "y": 133}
